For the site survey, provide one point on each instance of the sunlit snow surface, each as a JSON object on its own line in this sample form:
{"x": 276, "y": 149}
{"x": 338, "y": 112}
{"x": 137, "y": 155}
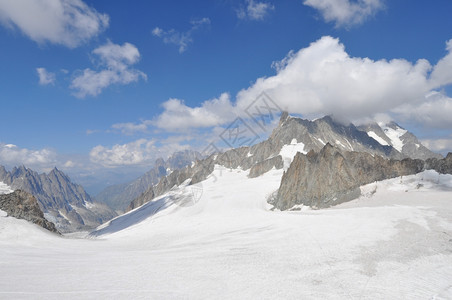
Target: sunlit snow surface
{"x": 377, "y": 138}
{"x": 288, "y": 152}
{"x": 394, "y": 135}
{"x": 395, "y": 242}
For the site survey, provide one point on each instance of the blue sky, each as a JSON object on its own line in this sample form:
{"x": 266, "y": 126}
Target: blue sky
{"x": 102, "y": 88}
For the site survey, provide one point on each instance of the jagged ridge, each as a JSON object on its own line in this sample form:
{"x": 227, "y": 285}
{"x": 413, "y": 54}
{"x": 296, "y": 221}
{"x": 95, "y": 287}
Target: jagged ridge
{"x": 63, "y": 202}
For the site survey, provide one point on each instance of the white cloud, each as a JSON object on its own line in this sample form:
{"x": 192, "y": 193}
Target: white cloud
{"x": 438, "y": 145}
{"x": 323, "y": 79}
{"x": 181, "y": 39}
{"x": 12, "y": 155}
{"x": 346, "y": 13}
{"x": 178, "y": 116}
{"x": 139, "y": 152}
{"x": 64, "y": 22}
{"x": 254, "y": 10}
{"x": 116, "y": 61}
{"x": 434, "y": 112}
{"x": 132, "y": 128}
{"x": 442, "y": 74}
{"x": 45, "y": 77}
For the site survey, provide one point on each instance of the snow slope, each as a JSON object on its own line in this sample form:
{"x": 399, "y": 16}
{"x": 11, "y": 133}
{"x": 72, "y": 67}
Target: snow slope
{"x": 394, "y": 134}
{"x": 288, "y": 152}
{"x": 394, "y": 242}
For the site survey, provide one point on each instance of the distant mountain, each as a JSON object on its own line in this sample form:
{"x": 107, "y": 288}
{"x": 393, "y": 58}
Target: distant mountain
{"x": 294, "y": 135}
{"x": 119, "y": 196}
{"x": 64, "y": 203}
{"x": 402, "y": 140}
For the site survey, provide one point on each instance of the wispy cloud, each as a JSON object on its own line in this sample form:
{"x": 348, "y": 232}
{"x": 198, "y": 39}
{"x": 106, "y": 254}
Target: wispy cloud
{"x": 132, "y": 128}
{"x": 65, "y": 22}
{"x": 254, "y": 10}
{"x": 45, "y": 77}
{"x": 346, "y": 13}
{"x": 139, "y": 152}
{"x": 180, "y": 39}
{"x": 115, "y": 62}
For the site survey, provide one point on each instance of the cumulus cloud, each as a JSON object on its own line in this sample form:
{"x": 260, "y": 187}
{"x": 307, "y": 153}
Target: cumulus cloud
{"x": 64, "y": 22}
{"x": 324, "y": 79}
{"x": 180, "y": 39}
{"x": 178, "y": 116}
{"x": 115, "y": 62}
{"x": 346, "y": 13}
{"x": 442, "y": 74}
{"x": 254, "y": 10}
{"x": 139, "y": 152}
{"x": 12, "y": 155}
{"x": 45, "y": 77}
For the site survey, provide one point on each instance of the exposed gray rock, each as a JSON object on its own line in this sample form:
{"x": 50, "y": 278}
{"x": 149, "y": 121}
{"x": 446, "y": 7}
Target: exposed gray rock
{"x": 443, "y": 166}
{"x": 119, "y": 197}
{"x": 22, "y": 205}
{"x": 264, "y": 166}
{"x": 329, "y": 177}
{"x": 63, "y": 202}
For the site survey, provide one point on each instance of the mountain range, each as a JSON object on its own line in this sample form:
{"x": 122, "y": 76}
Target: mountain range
{"x": 324, "y": 163}
{"x": 119, "y": 196}
{"x": 63, "y": 202}
{"x": 293, "y": 135}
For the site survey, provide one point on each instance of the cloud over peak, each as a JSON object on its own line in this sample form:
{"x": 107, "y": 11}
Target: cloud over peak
{"x": 324, "y": 79}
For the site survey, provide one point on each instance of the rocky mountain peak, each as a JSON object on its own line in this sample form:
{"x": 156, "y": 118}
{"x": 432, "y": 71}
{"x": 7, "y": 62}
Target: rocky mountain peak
{"x": 283, "y": 118}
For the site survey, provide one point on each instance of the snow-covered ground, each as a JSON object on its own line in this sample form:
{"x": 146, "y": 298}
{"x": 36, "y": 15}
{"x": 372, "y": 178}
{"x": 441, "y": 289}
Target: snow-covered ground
{"x": 221, "y": 241}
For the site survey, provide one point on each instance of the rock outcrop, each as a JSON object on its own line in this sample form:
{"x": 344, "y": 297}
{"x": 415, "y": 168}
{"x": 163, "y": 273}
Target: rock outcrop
{"x": 329, "y": 177}
{"x": 22, "y": 205}
{"x": 264, "y": 166}
{"x": 443, "y": 166}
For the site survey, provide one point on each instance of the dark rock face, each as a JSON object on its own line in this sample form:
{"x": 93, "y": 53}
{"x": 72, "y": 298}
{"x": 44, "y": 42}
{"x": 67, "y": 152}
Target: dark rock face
{"x": 119, "y": 196}
{"x": 330, "y": 176}
{"x": 443, "y": 166}
{"x": 63, "y": 202}
{"x": 22, "y": 205}
{"x": 264, "y": 166}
